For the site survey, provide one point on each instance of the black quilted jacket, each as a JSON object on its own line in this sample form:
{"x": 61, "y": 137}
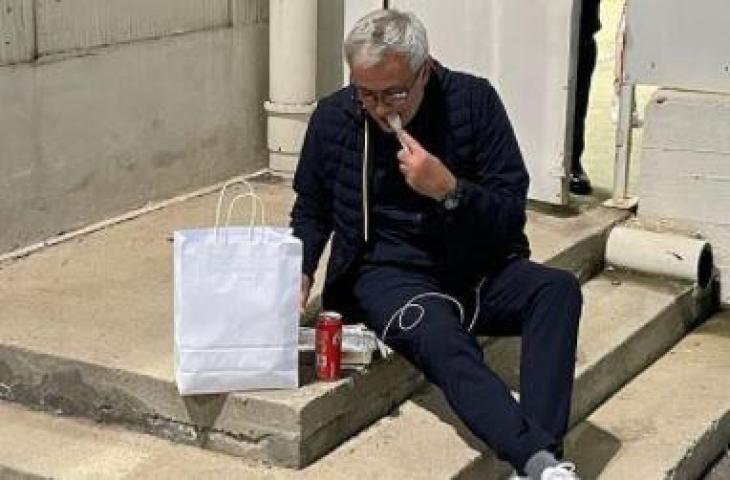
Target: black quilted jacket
{"x": 474, "y": 139}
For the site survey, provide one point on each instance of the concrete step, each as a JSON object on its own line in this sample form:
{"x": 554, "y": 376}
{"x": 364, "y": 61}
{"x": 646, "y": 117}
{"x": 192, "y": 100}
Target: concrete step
{"x": 36, "y": 445}
{"x": 671, "y": 421}
{"x": 650, "y": 429}
{"x": 628, "y": 322}
{"x": 624, "y": 439}
{"x": 86, "y": 329}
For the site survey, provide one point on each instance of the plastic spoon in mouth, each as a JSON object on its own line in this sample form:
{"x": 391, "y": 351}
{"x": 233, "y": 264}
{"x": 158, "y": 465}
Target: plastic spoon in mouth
{"x": 395, "y": 123}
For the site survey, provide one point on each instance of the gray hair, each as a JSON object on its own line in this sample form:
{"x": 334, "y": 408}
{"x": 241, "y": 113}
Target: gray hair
{"x": 387, "y": 31}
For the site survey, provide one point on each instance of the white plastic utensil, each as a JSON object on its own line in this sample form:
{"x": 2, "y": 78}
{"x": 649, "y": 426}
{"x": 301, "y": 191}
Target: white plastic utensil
{"x": 396, "y": 124}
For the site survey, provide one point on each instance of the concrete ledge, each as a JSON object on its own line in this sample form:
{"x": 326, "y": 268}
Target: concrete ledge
{"x": 109, "y": 357}
{"x": 572, "y": 240}
{"x": 285, "y": 428}
{"x": 86, "y": 329}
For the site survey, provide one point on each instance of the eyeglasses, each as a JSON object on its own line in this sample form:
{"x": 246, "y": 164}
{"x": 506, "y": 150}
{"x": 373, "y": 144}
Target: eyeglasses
{"x": 391, "y": 97}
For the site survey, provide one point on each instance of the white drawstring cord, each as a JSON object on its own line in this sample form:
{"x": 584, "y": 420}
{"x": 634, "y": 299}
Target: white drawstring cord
{"x": 401, "y": 312}
{"x": 365, "y": 202}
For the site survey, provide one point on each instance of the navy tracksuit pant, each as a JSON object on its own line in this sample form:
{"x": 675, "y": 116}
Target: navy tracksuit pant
{"x": 539, "y": 303}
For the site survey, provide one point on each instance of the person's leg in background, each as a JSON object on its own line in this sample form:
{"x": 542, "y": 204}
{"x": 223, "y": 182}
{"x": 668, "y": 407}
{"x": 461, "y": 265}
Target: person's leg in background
{"x": 590, "y": 23}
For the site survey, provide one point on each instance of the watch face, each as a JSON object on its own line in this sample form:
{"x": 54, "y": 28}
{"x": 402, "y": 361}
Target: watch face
{"x": 452, "y": 198}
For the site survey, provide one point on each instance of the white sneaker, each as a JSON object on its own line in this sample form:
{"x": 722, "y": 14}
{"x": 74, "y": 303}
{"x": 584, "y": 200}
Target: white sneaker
{"x": 562, "y": 471}
{"x": 514, "y": 476}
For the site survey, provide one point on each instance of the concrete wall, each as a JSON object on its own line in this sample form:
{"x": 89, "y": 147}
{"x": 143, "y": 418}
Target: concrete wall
{"x": 685, "y": 169}
{"x": 330, "y": 33}
{"x": 17, "y": 31}
{"x": 107, "y": 106}
{"x": 84, "y": 24}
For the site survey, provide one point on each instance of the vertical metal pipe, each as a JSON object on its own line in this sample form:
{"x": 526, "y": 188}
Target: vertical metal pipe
{"x": 623, "y": 143}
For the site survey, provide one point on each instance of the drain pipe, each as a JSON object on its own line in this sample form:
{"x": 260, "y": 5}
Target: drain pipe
{"x": 292, "y": 77}
{"x": 663, "y": 254}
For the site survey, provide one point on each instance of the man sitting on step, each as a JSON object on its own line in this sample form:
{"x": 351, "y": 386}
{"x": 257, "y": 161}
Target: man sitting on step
{"x": 416, "y": 170}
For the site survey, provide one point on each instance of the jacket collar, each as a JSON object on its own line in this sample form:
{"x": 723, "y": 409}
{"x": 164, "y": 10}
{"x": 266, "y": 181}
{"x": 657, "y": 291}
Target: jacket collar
{"x": 352, "y": 106}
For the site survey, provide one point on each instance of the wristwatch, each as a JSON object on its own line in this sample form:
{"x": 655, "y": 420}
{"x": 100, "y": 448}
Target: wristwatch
{"x": 452, "y": 199}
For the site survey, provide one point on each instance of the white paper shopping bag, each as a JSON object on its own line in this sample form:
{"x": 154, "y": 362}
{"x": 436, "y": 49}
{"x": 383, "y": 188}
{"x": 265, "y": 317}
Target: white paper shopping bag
{"x": 236, "y": 306}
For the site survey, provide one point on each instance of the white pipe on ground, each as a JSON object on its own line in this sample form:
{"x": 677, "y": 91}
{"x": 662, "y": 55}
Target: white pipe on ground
{"x": 660, "y": 254}
{"x": 292, "y": 78}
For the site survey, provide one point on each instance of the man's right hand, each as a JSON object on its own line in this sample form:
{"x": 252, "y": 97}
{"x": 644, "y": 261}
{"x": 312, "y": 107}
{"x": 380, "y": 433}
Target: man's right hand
{"x": 306, "y": 287}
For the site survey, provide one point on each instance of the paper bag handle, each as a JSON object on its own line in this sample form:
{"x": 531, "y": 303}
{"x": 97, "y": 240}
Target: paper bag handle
{"x": 221, "y": 196}
{"x": 255, "y": 202}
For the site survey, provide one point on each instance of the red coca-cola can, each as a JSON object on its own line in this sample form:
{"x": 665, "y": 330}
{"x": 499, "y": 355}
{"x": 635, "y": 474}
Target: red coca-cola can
{"x": 328, "y": 345}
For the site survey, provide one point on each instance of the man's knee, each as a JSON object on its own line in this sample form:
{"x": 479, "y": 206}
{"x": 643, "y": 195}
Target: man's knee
{"x": 564, "y": 286}
{"x": 443, "y": 340}
{"x": 448, "y": 356}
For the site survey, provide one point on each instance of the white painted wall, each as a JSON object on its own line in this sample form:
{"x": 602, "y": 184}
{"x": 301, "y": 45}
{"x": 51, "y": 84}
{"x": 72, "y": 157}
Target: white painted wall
{"x": 679, "y": 43}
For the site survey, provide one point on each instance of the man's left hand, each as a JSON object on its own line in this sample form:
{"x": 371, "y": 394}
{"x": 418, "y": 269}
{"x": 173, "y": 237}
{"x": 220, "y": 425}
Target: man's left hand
{"x": 424, "y": 173}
